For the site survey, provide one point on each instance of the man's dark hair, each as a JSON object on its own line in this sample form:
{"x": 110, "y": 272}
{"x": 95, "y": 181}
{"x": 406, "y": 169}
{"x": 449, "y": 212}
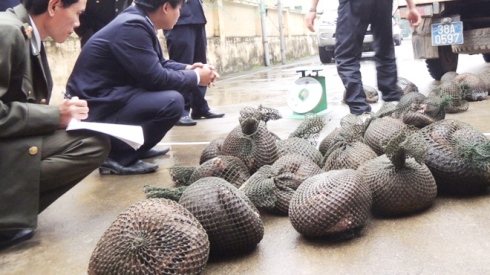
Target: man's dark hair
{"x": 36, "y": 7}
{"x": 153, "y": 5}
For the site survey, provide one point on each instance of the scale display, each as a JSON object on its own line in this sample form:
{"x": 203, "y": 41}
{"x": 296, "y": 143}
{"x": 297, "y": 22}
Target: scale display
{"x": 305, "y": 95}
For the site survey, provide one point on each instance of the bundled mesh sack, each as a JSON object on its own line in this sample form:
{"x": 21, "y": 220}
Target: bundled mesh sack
{"x": 454, "y": 93}
{"x": 400, "y": 184}
{"x": 181, "y": 174}
{"x": 261, "y": 113}
{"x": 309, "y": 129}
{"x": 328, "y": 140}
{"x": 154, "y": 236}
{"x": 212, "y": 150}
{"x": 252, "y": 143}
{"x": 380, "y": 131}
{"x": 299, "y": 146}
{"x": 458, "y": 156}
{"x": 449, "y": 76}
{"x": 406, "y": 86}
{"x": 473, "y": 87}
{"x": 330, "y": 203}
{"x": 485, "y": 77}
{"x": 228, "y": 168}
{"x": 348, "y": 155}
{"x": 230, "y": 219}
{"x": 418, "y": 110}
{"x": 259, "y": 188}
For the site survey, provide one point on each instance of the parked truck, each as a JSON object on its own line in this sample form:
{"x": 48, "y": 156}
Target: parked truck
{"x": 450, "y": 28}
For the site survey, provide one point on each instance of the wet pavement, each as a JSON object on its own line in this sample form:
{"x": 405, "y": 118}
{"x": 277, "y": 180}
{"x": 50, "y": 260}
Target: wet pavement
{"x": 452, "y": 237}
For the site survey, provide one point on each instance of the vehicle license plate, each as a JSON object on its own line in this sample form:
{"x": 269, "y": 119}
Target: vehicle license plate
{"x": 447, "y": 34}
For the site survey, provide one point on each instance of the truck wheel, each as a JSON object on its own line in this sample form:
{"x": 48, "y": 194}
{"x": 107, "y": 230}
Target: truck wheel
{"x": 486, "y": 57}
{"x": 447, "y": 61}
{"x": 325, "y": 56}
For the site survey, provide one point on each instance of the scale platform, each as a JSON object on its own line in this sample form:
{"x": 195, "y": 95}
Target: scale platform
{"x": 308, "y": 94}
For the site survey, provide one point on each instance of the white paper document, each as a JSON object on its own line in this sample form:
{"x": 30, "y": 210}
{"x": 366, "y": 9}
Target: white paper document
{"x": 131, "y": 134}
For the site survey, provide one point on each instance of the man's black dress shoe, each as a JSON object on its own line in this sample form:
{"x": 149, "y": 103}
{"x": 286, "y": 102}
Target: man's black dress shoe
{"x": 110, "y": 166}
{"x": 209, "y": 114}
{"x": 186, "y": 121}
{"x": 15, "y": 237}
{"x": 154, "y": 153}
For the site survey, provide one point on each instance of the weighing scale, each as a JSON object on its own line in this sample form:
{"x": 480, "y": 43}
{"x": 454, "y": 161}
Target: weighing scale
{"x": 308, "y": 94}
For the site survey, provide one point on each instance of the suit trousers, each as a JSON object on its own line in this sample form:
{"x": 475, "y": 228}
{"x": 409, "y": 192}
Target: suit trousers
{"x": 187, "y": 44}
{"x": 67, "y": 158}
{"x": 354, "y": 16}
{"x": 156, "y": 112}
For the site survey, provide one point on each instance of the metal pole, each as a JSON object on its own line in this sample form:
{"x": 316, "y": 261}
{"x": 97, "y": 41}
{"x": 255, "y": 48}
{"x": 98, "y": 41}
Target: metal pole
{"x": 281, "y": 32}
{"x": 264, "y": 33}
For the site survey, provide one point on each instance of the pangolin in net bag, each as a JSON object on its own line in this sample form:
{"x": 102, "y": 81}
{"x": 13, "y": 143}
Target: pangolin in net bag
{"x": 400, "y": 184}
{"x": 458, "y": 156}
{"x": 259, "y": 188}
{"x": 473, "y": 87}
{"x": 372, "y": 95}
{"x": 449, "y": 76}
{"x": 328, "y": 140}
{"x": 348, "y": 151}
{"x": 230, "y": 219}
{"x": 154, "y": 236}
{"x": 454, "y": 93}
{"x": 380, "y": 131}
{"x": 299, "y": 146}
{"x": 485, "y": 77}
{"x": 229, "y": 168}
{"x": 330, "y": 204}
{"x": 212, "y": 150}
{"x": 406, "y": 86}
{"x": 252, "y": 143}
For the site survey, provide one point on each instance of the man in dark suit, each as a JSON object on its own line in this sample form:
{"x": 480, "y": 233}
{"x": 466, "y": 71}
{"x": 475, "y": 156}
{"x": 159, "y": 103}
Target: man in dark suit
{"x": 186, "y": 43}
{"x": 39, "y": 161}
{"x": 98, "y": 14}
{"x": 122, "y": 74}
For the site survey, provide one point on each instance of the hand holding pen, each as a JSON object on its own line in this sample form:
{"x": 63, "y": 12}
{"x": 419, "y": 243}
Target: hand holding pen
{"x": 72, "y": 107}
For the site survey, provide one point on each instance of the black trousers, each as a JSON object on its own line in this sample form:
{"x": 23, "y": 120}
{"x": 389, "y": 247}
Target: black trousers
{"x": 155, "y": 112}
{"x": 187, "y": 44}
{"x": 354, "y": 16}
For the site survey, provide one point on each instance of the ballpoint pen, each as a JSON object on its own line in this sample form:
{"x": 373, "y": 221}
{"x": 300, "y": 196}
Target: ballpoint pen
{"x": 66, "y": 94}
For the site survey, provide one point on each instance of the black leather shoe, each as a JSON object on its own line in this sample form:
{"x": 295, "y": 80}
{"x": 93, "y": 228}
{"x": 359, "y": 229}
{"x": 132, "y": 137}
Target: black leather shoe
{"x": 186, "y": 121}
{"x": 110, "y": 166}
{"x": 13, "y": 238}
{"x": 154, "y": 153}
{"x": 209, "y": 114}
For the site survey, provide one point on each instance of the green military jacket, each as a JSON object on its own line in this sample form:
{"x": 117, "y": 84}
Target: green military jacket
{"x": 25, "y": 116}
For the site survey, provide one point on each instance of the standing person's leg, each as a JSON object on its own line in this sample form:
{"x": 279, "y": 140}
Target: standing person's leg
{"x": 180, "y": 45}
{"x": 67, "y": 158}
{"x": 385, "y": 51}
{"x": 156, "y": 113}
{"x": 349, "y": 34}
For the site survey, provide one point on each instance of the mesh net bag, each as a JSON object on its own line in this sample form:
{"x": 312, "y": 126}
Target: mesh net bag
{"x": 328, "y": 140}
{"x": 417, "y": 110}
{"x": 230, "y": 219}
{"x": 229, "y": 168}
{"x": 330, "y": 203}
{"x": 259, "y": 188}
{"x": 458, "y": 156}
{"x": 406, "y": 86}
{"x": 299, "y": 146}
{"x": 154, "y": 236}
{"x": 485, "y": 77}
{"x": 309, "y": 129}
{"x": 252, "y": 143}
{"x": 212, "y": 150}
{"x": 380, "y": 131}
{"x": 449, "y": 76}
{"x": 181, "y": 174}
{"x": 372, "y": 95}
{"x": 348, "y": 156}
{"x": 473, "y": 87}
{"x": 399, "y": 192}
{"x": 454, "y": 93}
{"x": 261, "y": 114}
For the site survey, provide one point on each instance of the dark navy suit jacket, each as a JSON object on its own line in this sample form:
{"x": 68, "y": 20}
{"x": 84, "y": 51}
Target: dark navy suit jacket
{"x": 192, "y": 13}
{"x": 122, "y": 60}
